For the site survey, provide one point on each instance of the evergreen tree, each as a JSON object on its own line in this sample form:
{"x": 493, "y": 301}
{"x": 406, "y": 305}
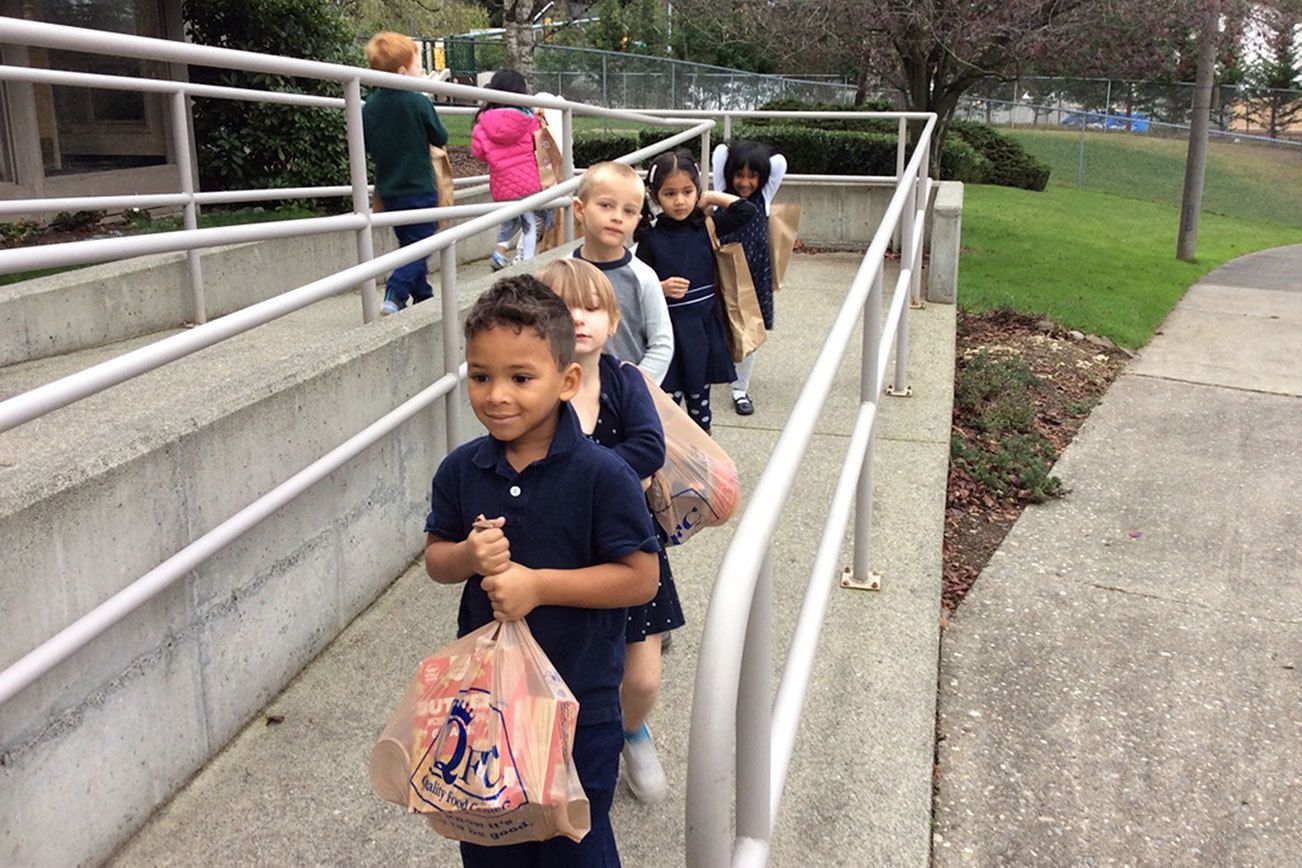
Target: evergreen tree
{"x": 1273, "y": 102}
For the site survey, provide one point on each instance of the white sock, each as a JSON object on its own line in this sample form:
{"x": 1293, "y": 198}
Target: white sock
{"x": 738, "y": 393}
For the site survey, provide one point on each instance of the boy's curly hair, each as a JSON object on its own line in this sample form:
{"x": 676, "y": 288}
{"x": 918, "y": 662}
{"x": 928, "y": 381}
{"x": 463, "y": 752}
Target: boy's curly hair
{"x": 523, "y": 302}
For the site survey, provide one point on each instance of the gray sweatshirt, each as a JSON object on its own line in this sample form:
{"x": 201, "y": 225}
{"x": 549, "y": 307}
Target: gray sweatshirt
{"x": 645, "y": 336}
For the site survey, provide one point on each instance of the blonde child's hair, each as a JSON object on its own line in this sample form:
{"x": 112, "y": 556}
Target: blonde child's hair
{"x": 604, "y": 172}
{"x": 389, "y": 51}
{"x": 579, "y": 284}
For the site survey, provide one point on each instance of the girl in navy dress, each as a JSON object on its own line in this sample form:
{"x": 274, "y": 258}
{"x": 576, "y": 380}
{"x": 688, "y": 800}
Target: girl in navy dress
{"x": 615, "y": 410}
{"x": 678, "y": 248}
{"x": 753, "y": 171}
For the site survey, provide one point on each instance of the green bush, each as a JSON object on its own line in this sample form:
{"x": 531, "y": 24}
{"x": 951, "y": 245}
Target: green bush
{"x": 243, "y": 145}
{"x": 596, "y": 146}
{"x": 795, "y": 105}
{"x": 809, "y": 150}
{"x": 1009, "y": 163}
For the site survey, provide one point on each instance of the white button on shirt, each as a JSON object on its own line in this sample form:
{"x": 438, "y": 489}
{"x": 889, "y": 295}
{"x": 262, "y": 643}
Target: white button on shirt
{"x": 514, "y": 490}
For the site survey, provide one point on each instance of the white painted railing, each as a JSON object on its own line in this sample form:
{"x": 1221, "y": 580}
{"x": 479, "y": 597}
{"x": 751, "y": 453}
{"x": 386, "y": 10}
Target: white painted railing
{"x": 733, "y": 702}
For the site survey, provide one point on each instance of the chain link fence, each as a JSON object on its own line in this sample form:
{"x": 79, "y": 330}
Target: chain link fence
{"x": 621, "y": 80}
{"x": 1140, "y": 154}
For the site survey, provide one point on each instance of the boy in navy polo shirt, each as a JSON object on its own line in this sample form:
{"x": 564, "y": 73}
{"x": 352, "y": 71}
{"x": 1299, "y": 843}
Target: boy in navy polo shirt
{"x": 543, "y": 524}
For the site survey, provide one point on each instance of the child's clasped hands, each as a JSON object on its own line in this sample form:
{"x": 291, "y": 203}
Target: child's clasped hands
{"x": 511, "y": 588}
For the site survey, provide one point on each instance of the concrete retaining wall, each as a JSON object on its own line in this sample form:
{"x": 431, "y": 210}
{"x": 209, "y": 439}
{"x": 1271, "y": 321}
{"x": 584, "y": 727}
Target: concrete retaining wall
{"x": 847, "y": 215}
{"x": 100, "y": 304}
{"x": 88, "y": 752}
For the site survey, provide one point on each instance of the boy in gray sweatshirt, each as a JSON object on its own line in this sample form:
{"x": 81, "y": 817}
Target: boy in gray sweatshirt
{"x": 609, "y": 204}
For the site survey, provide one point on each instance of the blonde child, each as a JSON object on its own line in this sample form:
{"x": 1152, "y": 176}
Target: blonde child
{"x": 678, "y": 248}
{"x": 615, "y": 410}
{"x": 609, "y": 204}
{"x": 753, "y": 171}
{"x": 398, "y": 127}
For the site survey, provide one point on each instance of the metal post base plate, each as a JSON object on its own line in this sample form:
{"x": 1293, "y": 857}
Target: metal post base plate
{"x": 917, "y": 305}
{"x": 872, "y": 583}
{"x": 906, "y": 392}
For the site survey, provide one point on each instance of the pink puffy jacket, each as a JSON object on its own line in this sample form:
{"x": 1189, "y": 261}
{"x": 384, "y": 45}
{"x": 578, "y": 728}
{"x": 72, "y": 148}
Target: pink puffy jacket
{"x": 503, "y": 138}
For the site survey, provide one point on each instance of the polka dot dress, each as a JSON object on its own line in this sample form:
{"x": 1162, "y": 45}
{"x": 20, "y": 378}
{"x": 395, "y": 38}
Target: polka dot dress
{"x": 664, "y": 612}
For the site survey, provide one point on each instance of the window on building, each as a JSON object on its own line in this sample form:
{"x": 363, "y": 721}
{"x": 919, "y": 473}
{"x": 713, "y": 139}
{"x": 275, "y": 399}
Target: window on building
{"x": 91, "y": 129}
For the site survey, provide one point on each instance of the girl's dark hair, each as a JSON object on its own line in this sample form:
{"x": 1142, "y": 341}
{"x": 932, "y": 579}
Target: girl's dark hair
{"x": 524, "y": 302}
{"x": 679, "y": 160}
{"x": 747, "y": 154}
{"x": 507, "y": 80}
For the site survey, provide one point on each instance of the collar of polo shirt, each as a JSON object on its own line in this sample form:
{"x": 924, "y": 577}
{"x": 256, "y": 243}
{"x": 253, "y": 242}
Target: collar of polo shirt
{"x": 492, "y": 452}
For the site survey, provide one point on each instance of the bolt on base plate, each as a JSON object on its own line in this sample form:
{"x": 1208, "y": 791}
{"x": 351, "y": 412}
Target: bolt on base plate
{"x": 917, "y": 305}
{"x": 873, "y": 583}
{"x": 906, "y": 392}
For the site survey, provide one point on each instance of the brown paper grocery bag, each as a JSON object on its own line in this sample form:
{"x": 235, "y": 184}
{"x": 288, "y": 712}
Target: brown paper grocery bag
{"x": 743, "y": 322}
{"x": 784, "y": 226}
{"x": 443, "y": 182}
{"x": 548, "y": 154}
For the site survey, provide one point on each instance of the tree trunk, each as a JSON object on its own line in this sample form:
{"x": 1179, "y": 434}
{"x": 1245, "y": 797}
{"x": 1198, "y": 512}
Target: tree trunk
{"x": 1196, "y": 162}
{"x": 518, "y": 38}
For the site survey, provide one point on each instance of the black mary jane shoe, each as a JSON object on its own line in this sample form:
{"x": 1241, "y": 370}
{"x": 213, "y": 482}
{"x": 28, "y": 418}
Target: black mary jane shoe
{"x": 743, "y": 406}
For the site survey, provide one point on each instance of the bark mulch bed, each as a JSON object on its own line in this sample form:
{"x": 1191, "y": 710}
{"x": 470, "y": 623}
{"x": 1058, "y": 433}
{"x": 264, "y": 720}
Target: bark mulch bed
{"x": 1023, "y": 388}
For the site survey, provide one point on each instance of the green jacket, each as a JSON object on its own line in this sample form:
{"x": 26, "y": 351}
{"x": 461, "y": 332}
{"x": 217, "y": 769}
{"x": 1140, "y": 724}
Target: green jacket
{"x": 399, "y": 126}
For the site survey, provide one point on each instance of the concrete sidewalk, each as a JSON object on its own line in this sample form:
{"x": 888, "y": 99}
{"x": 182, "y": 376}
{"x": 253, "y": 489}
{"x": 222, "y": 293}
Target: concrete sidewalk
{"x": 859, "y": 792}
{"x": 1122, "y": 684}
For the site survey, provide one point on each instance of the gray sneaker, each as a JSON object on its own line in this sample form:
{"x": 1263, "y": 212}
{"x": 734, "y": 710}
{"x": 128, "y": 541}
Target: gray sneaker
{"x": 646, "y": 777}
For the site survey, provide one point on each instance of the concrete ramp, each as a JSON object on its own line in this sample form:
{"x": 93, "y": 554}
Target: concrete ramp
{"x": 292, "y": 787}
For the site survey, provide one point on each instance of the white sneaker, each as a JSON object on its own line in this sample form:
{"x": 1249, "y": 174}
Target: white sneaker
{"x": 646, "y": 778}
{"x": 388, "y": 308}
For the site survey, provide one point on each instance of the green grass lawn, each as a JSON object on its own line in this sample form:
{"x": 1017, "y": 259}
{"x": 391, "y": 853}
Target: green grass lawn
{"x": 1244, "y": 180}
{"x": 1092, "y": 261}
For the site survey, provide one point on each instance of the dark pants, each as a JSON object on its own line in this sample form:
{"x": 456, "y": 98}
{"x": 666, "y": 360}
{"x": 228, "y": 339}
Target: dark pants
{"x": 596, "y": 755}
{"x": 411, "y": 280}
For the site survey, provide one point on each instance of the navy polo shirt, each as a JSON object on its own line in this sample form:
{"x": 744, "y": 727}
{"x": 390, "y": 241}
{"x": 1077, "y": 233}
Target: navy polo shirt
{"x": 579, "y": 506}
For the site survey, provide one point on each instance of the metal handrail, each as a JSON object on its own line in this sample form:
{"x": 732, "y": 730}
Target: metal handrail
{"x": 732, "y": 696}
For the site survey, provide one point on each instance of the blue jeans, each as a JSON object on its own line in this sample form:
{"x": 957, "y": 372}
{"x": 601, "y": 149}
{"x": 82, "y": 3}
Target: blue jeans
{"x": 596, "y": 756}
{"x": 411, "y": 280}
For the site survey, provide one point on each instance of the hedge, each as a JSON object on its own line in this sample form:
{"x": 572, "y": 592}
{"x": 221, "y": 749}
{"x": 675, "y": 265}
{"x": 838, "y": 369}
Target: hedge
{"x": 808, "y": 150}
{"x": 1010, "y": 164}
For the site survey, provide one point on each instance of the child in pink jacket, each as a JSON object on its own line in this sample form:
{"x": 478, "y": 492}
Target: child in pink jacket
{"x": 503, "y": 138}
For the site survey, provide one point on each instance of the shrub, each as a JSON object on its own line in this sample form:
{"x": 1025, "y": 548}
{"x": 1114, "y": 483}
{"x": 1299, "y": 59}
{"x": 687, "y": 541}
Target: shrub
{"x": 596, "y": 146}
{"x": 243, "y": 145}
{"x": 795, "y": 105}
{"x": 71, "y": 221}
{"x": 1009, "y": 163}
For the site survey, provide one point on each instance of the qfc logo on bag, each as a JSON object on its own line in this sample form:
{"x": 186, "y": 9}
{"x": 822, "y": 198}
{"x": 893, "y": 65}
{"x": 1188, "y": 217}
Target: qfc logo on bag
{"x": 469, "y": 765}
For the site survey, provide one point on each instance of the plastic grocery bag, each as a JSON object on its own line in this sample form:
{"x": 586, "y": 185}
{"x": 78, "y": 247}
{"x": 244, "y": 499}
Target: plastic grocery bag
{"x": 697, "y": 486}
{"x": 482, "y": 743}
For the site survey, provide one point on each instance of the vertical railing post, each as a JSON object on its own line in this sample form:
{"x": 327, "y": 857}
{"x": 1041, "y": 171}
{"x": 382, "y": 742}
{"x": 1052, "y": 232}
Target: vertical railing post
{"x": 862, "y": 574}
{"x": 361, "y": 197}
{"x": 707, "y": 176}
{"x": 451, "y": 341}
{"x": 901, "y": 148}
{"x": 727, "y": 127}
{"x": 908, "y": 255}
{"x": 185, "y": 167}
{"x": 755, "y": 712}
{"x": 567, "y": 166}
{"x": 922, "y": 193}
